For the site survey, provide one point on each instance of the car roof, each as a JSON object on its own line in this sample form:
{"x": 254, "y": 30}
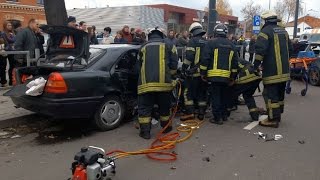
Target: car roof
{"x": 116, "y": 46}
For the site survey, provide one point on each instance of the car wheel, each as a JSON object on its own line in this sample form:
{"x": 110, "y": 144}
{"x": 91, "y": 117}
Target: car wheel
{"x": 110, "y": 114}
{"x": 314, "y": 76}
{"x": 288, "y": 90}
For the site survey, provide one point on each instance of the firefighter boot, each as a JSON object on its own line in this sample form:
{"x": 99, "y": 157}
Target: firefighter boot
{"x": 145, "y": 131}
{"x": 216, "y": 120}
{"x": 164, "y": 124}
{"x": 254, "y": 116}
{"x": 268, "y": 123}
{"x": 225, "y": 118}
{"x": 186, "y": 117}
{"x": 201, "y": 114}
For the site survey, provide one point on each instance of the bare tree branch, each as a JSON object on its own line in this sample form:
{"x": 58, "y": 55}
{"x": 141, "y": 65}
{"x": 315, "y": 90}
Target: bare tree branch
{"x": 250, "y": 10}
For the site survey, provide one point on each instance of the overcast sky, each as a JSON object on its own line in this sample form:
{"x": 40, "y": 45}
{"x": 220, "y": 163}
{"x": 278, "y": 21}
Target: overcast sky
{"x": 236, "y": 5}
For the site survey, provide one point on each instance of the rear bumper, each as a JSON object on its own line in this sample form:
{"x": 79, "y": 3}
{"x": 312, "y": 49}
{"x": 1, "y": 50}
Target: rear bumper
{"x": 60, "y": 108}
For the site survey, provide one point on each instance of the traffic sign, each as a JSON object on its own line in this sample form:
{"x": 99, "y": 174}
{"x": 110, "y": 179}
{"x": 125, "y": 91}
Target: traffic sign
{"x": 256, "y": 20}
{"x": 67, "y": 43}
{"x": 256, "y": 24}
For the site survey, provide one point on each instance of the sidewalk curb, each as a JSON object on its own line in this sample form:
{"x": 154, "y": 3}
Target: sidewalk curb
{"x": 15, "y": 120}
{"x": 5, "y": 88}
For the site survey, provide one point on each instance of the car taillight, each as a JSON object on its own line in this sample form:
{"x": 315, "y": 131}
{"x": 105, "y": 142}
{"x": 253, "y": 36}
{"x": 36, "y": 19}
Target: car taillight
{"x": 56, "y": 84}
{"x": 24, "y": 78}
{"x": 14, "y": 78}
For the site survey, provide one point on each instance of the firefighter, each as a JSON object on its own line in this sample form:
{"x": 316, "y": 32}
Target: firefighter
{"x": 158, "y": 62}
{"x": 195, "y": 89}
{"x": 219, "y": 67}
{"x": 246, "y": 84}
{"x": 272, "y": 57}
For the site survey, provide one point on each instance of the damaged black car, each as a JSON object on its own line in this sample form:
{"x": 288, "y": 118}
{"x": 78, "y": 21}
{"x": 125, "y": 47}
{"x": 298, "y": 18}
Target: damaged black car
{"x": 81, "y": 81}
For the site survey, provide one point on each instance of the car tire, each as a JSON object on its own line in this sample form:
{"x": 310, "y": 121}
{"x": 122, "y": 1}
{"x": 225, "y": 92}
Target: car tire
{"x": 110, "y": 114}
{"x": 314, "y": 76}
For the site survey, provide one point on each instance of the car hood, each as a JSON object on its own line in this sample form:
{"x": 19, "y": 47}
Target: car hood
{"x": 59, "y": 34}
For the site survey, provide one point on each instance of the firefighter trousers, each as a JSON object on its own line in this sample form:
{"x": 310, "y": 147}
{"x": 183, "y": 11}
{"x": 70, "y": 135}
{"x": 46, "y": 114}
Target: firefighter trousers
{"x": 219, "y": 100}
{"x": 273, "y": 95}
{"x": 195, "y": 95}
{"x": 247, "y": 90}
{"x": 146, "y": 103}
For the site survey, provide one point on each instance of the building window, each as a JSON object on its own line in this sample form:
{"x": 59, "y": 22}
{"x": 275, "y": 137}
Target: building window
{"x": 12, "y": 1}
{"x": 40, "y": 2}
{"x": 298, "y": 30}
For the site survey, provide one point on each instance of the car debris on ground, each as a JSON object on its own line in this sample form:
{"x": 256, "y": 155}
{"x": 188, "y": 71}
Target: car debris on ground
{"x": 15, "y": 136}
{"x": 207, "y": 159}
{"x": 173, "y": 168}
{"x": 268, "y": 137}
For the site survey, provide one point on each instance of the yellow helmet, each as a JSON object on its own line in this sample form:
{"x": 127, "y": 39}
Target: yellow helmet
{"x": 267, "y": 15}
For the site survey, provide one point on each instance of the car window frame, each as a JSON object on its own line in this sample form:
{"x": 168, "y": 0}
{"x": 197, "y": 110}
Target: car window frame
{"x": 113, "y": 68}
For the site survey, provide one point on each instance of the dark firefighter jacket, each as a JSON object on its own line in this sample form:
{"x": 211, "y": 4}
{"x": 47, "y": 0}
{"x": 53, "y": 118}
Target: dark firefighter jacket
{"x": 272, "y": 50}
{"x": 246, "y": 73}
{"x": 158, "y": 62}
{"x": 220, "y": 60}
{"x": 194, "y": 51}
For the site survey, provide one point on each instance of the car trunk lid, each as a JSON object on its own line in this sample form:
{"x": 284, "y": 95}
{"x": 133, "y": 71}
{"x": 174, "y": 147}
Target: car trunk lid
{"x": 66, "y": 42}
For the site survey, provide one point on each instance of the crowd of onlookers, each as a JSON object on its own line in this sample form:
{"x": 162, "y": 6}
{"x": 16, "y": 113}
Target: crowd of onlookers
{"x": 124, "y": 36}
{"x": 15, "y": 38}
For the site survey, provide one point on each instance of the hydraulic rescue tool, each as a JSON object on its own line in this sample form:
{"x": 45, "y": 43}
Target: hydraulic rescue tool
{"x": 91, "y": 164}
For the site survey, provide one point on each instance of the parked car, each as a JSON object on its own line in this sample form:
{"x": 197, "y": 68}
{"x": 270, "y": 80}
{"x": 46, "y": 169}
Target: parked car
{"x": 99, "y": 82}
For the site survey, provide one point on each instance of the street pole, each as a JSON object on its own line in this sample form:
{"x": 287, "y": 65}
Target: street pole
{"x": 269, "y": 4}
{"x": 296, "y": 20}
{"x": 212, "y": 17}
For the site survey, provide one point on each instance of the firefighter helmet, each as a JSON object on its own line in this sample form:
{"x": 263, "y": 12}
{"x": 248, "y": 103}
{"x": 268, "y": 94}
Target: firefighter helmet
{"x": 220, "y": 30}
{"x": 196, "y": 29}
{"x": 157, "y": 31}
{"x": 270, "y": 16}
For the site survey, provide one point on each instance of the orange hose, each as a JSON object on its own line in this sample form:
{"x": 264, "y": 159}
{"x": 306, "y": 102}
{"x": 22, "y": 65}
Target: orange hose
{"x": 163, "y": 143}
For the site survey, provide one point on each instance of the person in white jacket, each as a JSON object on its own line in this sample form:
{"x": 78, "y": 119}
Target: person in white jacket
{"x": 107, "y": 37}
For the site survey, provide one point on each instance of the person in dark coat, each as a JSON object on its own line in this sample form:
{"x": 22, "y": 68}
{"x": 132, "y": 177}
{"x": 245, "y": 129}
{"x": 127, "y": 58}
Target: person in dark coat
{"x": 126, "y": 34}
{"x": 183, "y": 40}
{"x": 72, "y": 22}
{"x": 252, "y": 48}
{"x": 26, "y": 40}
{"x": 94, "y": 39}
{"x": 138, "y": 39}
{"x": 8, "y": 36}
{"x": 3, "y": 63}
{"x": 41, "y": 42}
{"x": 171, "y": 39}
{"x": 120, "y": 39}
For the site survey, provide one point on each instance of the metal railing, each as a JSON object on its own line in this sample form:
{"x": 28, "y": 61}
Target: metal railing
{"x": 26, "y": 53}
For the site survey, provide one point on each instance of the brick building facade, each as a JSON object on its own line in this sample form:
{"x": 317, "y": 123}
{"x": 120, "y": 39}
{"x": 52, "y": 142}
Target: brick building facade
{"x": 22, "y": 11}
{"x": 180, "y": 18}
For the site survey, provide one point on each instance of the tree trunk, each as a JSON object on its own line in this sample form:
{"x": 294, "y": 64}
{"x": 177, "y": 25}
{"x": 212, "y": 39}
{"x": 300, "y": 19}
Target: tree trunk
{"x": 56, "y": 12}
{"x": 289, "y": 16}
